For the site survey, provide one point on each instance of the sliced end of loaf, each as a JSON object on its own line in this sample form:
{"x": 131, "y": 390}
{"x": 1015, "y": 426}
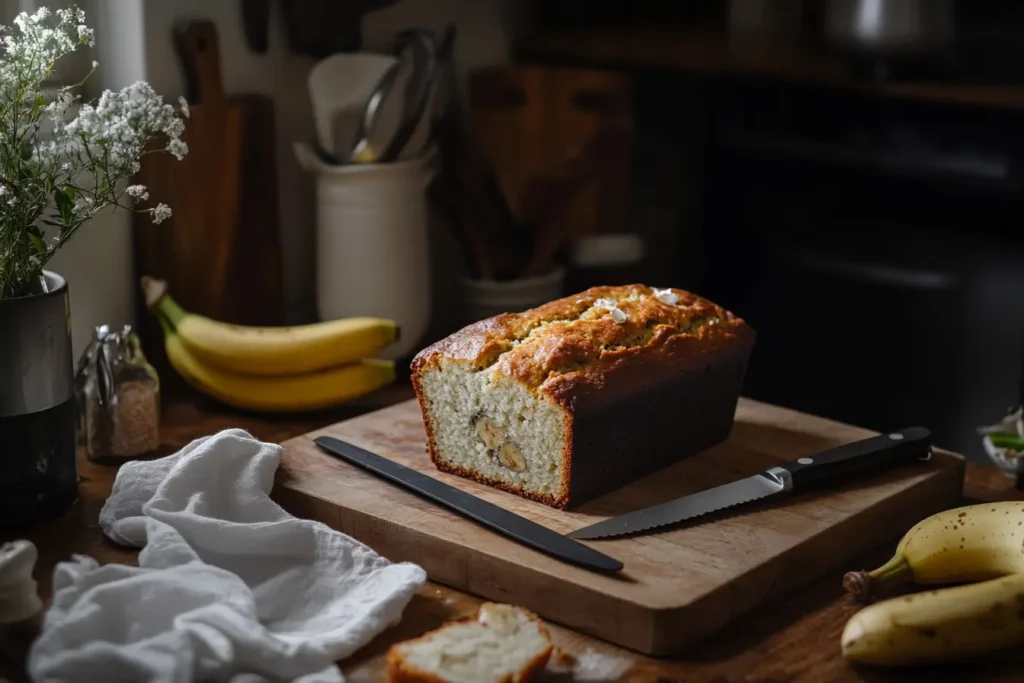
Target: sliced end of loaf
{"x": 491, "y": 428}
{"x": 503, "y": 644}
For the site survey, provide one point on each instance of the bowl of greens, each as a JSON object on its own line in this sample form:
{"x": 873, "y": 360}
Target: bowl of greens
{"x": 1004, "y": 443}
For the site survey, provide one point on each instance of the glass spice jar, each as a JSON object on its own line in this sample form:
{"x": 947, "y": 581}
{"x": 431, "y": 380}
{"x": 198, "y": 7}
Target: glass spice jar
{"x": 118, "y": 394}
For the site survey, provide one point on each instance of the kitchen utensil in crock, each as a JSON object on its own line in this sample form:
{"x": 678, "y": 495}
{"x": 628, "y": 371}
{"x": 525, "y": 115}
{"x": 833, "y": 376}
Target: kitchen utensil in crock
{"x": 416, "y": 51}
{"x": 381, "y": 117}
{"x": 339, "y": 87}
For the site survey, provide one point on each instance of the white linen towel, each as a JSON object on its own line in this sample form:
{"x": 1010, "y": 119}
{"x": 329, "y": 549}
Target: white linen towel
{"x": 229, "y": 586}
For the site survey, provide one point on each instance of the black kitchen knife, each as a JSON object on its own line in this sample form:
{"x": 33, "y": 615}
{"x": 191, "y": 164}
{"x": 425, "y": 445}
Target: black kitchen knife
{"x": 501, "y": 520}
{"x": 834, "y": 465}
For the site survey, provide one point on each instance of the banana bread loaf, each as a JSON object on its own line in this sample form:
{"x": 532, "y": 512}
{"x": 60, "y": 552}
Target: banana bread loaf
{"x": 575, "y": 398}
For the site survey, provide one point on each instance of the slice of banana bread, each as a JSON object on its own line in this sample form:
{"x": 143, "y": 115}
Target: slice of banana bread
{"x": 567, "y": 401}
{"x": 502, "y": 644}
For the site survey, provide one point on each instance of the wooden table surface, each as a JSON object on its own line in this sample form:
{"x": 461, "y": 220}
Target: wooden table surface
{"x": 795, "y": 639}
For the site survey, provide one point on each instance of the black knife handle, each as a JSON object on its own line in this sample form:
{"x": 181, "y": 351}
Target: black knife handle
{"x": 861, "y": 457}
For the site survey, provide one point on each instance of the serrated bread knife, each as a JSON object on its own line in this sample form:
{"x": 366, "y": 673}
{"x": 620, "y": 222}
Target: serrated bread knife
{"x": 499, "y": 519}
{"x": 834, "y": 465}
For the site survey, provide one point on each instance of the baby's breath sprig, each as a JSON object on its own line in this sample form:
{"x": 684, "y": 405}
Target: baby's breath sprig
{"x": 57, "y": 174}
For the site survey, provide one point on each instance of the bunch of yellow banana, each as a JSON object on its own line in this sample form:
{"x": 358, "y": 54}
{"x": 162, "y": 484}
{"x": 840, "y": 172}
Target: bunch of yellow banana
{"x": 978, "y": 546}
{"x": 275, "y": 369}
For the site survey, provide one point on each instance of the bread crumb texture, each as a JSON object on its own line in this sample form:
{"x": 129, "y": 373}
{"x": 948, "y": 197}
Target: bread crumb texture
{"x": 590, "y": 666}
{"x": 502, "y": 644}
{"x": 497, "y": 396}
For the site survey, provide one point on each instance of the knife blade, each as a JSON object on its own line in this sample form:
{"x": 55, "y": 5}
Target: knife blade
{"x": 497, "y": 518}
{"x": 835, "y": 464}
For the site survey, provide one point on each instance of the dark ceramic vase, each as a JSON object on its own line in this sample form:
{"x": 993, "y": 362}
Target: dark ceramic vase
{"x": 38, "y": 474}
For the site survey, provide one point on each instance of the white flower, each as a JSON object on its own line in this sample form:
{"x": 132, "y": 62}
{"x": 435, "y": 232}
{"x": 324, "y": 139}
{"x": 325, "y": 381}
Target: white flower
{"x": 59, "y": 107}
{"x": 29, "y": 55}
{"x": 138, "y": 192}
{"x": 95, "y": 64}
{"x": 161, "y": 213}
{"x": 183, "y": 103}
{"x": 178, "y": 148}
{"x": 120, "y": 125}
{"x": 174, "y": 128}
{"x": 23, "y": 19}
{"x": 104, "y": 140}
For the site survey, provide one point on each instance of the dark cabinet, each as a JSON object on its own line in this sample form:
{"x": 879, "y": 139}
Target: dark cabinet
{"x": 878, "y": 252}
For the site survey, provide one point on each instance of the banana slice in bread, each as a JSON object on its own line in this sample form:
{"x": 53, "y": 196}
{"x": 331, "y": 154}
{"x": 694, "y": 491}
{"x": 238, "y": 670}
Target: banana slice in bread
{"x": 502, "y": 644}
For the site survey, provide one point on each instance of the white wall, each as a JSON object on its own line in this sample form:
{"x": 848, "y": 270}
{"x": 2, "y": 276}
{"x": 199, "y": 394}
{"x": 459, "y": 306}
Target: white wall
{"x": 134, "y": 41}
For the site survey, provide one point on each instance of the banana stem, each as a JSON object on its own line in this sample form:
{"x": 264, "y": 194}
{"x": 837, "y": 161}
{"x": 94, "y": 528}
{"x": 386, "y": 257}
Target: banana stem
{"x": 866, "y": 585}
{"x": 171, "y": 310}
{"x": 152, "y": 289}
{"x": 165, "y": 324}
{"x": 160, "y": 302}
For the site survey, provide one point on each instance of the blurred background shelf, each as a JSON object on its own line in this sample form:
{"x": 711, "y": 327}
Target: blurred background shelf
{"x": 711, "y": 51}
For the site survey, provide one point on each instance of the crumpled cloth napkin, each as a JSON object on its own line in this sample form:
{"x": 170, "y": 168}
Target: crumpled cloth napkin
{"x": 229, "y": 586}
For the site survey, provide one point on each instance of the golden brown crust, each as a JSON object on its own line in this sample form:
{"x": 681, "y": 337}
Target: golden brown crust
{"x": 400, "y": 671}
{"x": 535, "y": 665}
{"x": 573, "y": 345}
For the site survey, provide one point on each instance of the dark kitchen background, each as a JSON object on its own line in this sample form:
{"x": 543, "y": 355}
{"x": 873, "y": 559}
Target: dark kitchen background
{"x": 844, "y": 174}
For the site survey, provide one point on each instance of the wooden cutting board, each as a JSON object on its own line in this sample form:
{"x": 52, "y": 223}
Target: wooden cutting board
{"x": 220, "y": 252}
{"x": 530, "y": 119}
{"x": 677, "y": 586}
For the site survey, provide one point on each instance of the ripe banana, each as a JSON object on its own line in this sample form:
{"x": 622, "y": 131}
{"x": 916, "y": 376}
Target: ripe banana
{"x": 944, "y": 624}
{"x": 961, "y": 545}
{"x": 271, "y": 351}
{"x": 298, "y": 393}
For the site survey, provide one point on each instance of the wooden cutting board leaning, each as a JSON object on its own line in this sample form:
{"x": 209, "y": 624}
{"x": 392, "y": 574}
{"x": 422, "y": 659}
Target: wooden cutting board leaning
{"x": 529, "y": 119}
{"x": 220, "y": 252}
{"x": 677, "y": 586}
{"x": 560, "y": 141}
